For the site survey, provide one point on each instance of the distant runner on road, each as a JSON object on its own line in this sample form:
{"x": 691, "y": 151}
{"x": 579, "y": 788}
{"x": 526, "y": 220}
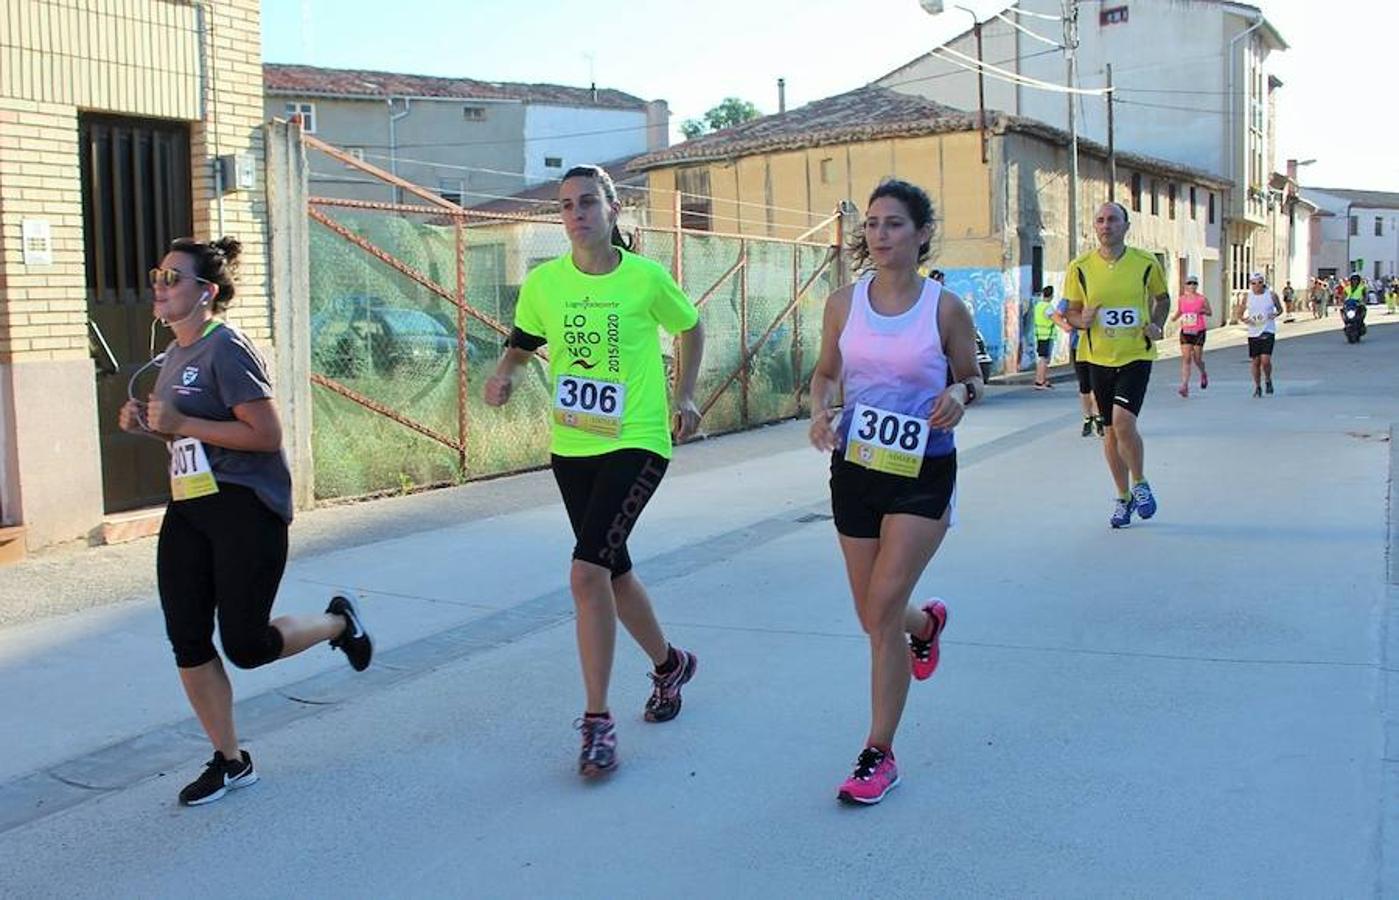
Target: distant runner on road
{"x": 1087, "y": 404}
{"x": 1259, "y": 310}
{"x": 1117, "y": 294}
{"x": 1193, "y": 312}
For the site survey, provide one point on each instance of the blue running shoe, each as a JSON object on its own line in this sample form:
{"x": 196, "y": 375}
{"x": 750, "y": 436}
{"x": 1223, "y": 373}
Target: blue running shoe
{"x": 1143, "y": 502}
{"x": 1121, "y": 513}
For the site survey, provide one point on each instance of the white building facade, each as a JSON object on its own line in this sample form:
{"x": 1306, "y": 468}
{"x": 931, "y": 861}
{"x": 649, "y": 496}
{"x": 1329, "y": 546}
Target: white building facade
{"x": 470, "y": 141}
{"x": 1359, "y": 232}
{"x": 1190, "y": 80}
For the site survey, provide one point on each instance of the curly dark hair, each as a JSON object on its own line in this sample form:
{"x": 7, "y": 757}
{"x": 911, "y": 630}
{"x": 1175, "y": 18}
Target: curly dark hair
{"x": 214, "y": 261}
{"x": 920, "y": 210}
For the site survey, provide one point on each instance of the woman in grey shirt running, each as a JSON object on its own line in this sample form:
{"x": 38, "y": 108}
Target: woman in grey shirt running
{"x": 223, "y": 542}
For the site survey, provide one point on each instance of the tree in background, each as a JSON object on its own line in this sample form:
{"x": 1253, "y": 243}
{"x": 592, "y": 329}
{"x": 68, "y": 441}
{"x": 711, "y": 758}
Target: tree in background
{"x": 732, "y": 111}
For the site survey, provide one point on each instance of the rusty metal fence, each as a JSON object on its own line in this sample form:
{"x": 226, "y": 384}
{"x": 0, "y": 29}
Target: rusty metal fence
{"x": 409, "y": 303}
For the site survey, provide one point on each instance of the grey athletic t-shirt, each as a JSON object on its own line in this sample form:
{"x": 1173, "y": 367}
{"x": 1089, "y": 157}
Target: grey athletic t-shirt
{"x": 206, "y": 380}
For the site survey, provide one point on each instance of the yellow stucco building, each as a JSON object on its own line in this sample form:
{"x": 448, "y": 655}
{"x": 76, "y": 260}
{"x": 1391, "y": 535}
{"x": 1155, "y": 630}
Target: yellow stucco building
{"x": 999, "y": 193}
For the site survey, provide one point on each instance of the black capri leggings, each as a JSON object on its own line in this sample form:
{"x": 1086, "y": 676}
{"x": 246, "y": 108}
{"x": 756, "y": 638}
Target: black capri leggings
{"x": 604, "y": 496}
{"x": 221, "y": 555}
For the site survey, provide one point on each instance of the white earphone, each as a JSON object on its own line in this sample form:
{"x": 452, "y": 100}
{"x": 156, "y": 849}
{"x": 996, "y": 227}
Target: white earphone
{"x": 203, "y": 299}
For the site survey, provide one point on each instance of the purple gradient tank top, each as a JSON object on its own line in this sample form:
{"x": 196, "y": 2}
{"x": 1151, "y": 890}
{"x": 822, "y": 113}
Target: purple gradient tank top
{"x": 894, "y": 363}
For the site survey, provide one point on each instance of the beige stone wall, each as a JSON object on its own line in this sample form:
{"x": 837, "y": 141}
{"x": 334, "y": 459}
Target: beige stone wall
{"x": 1186, "y": 243}
{"x": 763, "y": 194}
{"x": 149, "y": 58}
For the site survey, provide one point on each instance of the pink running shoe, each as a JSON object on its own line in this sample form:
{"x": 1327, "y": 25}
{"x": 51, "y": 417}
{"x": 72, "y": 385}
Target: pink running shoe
{"x": 875, "y": 775}
{"x": 599, "y": 754}
{"x": 925, "y": 653}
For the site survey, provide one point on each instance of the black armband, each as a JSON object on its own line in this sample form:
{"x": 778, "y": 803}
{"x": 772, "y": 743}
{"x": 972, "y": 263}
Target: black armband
{"x": 523, "y": 340}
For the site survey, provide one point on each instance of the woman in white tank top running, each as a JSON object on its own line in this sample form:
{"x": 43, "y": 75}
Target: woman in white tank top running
{"x": 888, "y": 343}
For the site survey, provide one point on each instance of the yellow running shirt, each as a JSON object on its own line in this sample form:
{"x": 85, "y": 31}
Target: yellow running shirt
{"x": 606, "y": 378}
{"x": 1122, "y": 291}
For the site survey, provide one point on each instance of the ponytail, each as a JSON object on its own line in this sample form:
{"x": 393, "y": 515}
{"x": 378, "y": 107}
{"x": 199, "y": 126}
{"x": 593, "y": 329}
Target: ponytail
{"x": 609, "y": 190}
{"x": 626, "y": 242}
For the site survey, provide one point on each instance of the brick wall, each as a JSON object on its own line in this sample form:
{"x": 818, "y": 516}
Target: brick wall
{"x": 234, "y": 125}
{"x": 199, "y": 63}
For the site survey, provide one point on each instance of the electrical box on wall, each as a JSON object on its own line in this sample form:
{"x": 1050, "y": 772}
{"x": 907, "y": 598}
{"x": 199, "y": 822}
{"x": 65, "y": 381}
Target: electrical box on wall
{"x": 238, "y": 171}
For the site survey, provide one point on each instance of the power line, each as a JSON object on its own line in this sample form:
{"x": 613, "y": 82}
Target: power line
{"x": 1036, "y": 15}
{"x": 634, "y": 187}
{"x": 634, "y": 128}
{"x": 935, "y": 77}
{"x": 1194, "y": 109}
{"x": 1124, "y": 90}
{"x": 1006, "y": 75}
{"x": 518, "y": 140}
{"x": 1034, "y": 34}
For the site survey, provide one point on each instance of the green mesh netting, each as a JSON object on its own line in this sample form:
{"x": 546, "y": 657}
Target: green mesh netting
{"x": 379, "y": 333}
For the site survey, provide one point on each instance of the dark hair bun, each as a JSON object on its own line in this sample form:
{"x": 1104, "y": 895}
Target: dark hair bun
{"x": 228, "y": 247}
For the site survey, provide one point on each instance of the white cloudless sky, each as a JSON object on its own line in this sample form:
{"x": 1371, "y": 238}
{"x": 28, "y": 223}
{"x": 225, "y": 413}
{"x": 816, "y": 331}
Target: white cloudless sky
{"x": 1340, "y": 75}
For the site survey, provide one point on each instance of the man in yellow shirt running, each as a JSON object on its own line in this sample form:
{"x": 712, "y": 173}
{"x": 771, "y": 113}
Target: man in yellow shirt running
{"x": 1117, "y": 294}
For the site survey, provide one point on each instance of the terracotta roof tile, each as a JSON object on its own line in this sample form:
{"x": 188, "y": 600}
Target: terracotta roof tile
{"x": 864, "y": 114}
{"x": 877, "y": 113}
{"x": 311, "y": 81}
{"x": 1372, "y": 199}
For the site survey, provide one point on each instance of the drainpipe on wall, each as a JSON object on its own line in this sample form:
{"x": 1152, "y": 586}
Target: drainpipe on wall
{"x": 205, "y": 27}
{"x": 1227, "y": 220}
{"x": 393, "y": 141}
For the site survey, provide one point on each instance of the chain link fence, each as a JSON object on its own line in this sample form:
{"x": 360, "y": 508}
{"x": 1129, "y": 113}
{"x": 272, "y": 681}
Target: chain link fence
{"x": 402, "y": 297}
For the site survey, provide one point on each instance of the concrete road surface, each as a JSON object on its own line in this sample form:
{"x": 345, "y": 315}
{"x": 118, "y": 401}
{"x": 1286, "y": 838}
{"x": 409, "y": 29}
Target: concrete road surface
{"x": 1199, "y": 705}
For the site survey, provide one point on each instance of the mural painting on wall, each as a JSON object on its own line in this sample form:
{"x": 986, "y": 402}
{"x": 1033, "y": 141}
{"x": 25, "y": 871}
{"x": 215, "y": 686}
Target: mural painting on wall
{"x": 995, "y": 306}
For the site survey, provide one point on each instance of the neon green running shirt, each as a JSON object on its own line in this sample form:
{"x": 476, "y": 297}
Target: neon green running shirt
{"x": 607, "y": 380}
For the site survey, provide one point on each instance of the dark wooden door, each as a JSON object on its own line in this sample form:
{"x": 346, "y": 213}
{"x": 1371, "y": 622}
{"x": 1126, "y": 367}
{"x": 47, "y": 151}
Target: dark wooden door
{"x": 136, "y": 200}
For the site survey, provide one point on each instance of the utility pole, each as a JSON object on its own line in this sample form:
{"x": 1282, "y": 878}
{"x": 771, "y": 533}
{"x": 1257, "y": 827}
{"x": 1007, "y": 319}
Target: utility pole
{"x": 1112, "y": 154}
{"x": 1070, "y": 8}
{"x": 980, "y": 87}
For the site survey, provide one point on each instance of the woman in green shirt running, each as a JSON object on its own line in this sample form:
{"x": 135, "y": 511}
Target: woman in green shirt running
{"x": 599, "y": 307}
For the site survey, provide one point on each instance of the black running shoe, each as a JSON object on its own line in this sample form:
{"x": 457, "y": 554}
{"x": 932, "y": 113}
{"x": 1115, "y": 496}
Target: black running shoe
{"x": 1268, "y": 388}
{"x": 354, "y": 640}
{"x": 1098, "y": 425}
{"x": 220, "y": 776}
{"x": 1087, "y": 426}
{"x": 599, "y": 754}
{"x": 664, "y": 702}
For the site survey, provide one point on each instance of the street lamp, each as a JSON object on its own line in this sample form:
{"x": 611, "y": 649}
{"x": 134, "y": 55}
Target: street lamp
{"x": 935, "y": 8}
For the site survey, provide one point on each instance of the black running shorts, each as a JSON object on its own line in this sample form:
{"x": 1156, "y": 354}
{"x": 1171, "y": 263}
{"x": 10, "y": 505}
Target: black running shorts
{"x": 1123, "y": 386}
{"x": 1085, "y": 383}
{"x": 1261, "y": 345}
{"x": 1044, "y": 348}
{"x": 861, "y": 497}
{"x": 1196, "y": 339}
{"x": 221, "y": 557}
{"x": 604, "y": 496}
